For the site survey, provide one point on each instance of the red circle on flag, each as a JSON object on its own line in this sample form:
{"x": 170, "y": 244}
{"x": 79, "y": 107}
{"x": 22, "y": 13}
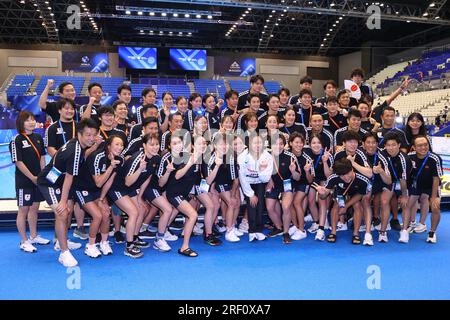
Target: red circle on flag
{"x": 354, "y": 87}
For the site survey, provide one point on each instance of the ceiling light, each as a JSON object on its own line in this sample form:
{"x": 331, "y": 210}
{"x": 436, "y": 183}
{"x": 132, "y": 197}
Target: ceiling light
{"x": 164, "y": 14}
{"x": 175, "y": 15}
{"x": 198, "y": 16}
{"x": 139, "y": 13}
{"x": 209, "y": 16}
{"x": 127, "y": 12}
{"x": 186, "y": 15}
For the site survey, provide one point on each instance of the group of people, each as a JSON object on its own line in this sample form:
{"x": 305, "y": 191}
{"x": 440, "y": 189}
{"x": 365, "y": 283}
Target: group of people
{"x": 328, "y": 160}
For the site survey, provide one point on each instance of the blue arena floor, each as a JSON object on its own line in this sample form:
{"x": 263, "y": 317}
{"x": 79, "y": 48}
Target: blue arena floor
{"x": 265, "y": 270}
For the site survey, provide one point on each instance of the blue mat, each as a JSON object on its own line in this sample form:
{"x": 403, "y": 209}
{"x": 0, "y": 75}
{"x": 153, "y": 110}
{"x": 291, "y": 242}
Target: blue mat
{"x": 264, "y": 270}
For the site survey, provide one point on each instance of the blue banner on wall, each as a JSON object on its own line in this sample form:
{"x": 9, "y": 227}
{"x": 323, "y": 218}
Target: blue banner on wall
{"x": 137, "y": 58}
{"x": 85, "y": 61}
{"x": 234, "y": 66}
{"x": 188, "y": 59}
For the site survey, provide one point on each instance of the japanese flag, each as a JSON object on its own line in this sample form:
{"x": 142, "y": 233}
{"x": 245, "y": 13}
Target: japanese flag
{"x": 353, "y": 88}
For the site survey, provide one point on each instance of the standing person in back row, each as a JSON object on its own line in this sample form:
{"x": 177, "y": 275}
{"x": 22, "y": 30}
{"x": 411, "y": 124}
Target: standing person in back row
{"x": 305, "y": 84}
{"x": 256, "y": 86}
{"x": 65, "y": 90}
{"x": 357, "y": 76}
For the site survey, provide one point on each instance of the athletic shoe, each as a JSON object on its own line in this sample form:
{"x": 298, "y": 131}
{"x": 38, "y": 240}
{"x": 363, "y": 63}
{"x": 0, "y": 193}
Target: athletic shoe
{"x": 168, "y": 236}
{"x": 231, "y": 236}
{"x": 80, "y": 233}
{"x": 141, "y": 243}
{"x": 376, "y": 222}
{"x": 152, "y": 228}
{"x": 123, "y": 229}
{"x": 260, "y": 236}
{"x": 378, "y": 227}
{"x": 314, "y": 227}
{"x": 368, "y": 239}
{"x": 161, "y": 245}
{"x": 299, "y": 235}
{"x": 67, "y": 260}
{"x": 212, "y": 240}
{"x": 411, "y": 227}
{"x": 39, "y": 240}
{"x": 404, "y": 236}
{"x": 27, "y": 246}
{"x": 71, "y": 245}
{"x": 293, "y": 229}
{"x": 382, "y": 237}
{"x": 221, "y": 227}
{"x": 286, "y": 238}
{"x": 133, "y": 251}
{"x": 243, "y": 226}
{"x": 320, "y": 235}
{"x": 146, "y": 234}
{"x": 275, "y": 232}
{"x": 198, "y": 231}
{"x": 92, "y": 251}
{"x": 327, "y": 225}
{"x": 105, "y": 248}
{"x": 118, "y": 237}
{"x": 432, "y": 239}
{"x": 395, "y": 224}
{"x": 238, "y": 232}
{"x": 341, "y": 227}
{"x": 176, "y": 225}
{"x": 420, "y": 228}
{"x": 251, "y": 237}
{"x": 308, "y": 218}
{"x": 363, "y": 228}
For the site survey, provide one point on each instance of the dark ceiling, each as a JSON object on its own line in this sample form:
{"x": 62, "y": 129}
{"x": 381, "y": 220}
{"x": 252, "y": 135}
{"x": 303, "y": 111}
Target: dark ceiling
{"x": 288, "y": 32}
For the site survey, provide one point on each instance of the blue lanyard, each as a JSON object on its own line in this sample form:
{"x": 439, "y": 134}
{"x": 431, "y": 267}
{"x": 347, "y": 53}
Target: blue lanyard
{"x": 63, "y": 133}
{"x": 318, "y": 159}
{"x": 287, "y": 130}
{"x": 393, "y": 169}
{"x": 303, "y": 120}
{"x": 423, "y": 165}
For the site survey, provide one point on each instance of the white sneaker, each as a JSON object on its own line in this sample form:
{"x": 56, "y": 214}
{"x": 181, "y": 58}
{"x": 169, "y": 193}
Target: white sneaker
{"x": 197, "y": 230}
{"x": 27, "y": 247}
{"x": 308, "y": 218}
{"x": 221, "y": 229}
{"x": 314, "y": 227}
{"x": 368, "y": 239}
{"x": 92, "y": 251}
{"x": 432, "y": 239}
{"x": 320, "y": 235}
{"x": 260, "y": 236}
{"x": 243, "y": 226}
{"x": 105, "y": 248}
{"x": 420, "y": 228}
{"x": 251, "y": 237}
{"x": 238, "y": 232}
{"x": 404, "y": 236}
{"x": 39, "y": 240}
{"x": 70, "y": 244}
{"x": 67, "y": 260}
{"x": 201, "y": 225}
{"x": 170, "y": 237}
{"x": 341, "y": 227}
{"x": 412, "y": 226}
{"x": 382, "y": 237}
{"x": 231, "y": 236}
{"x": 292, "y": 230}
{"x": 152, "y": 228}
{"x": 161, "y": 245}
{"x": 299, "y": 235}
